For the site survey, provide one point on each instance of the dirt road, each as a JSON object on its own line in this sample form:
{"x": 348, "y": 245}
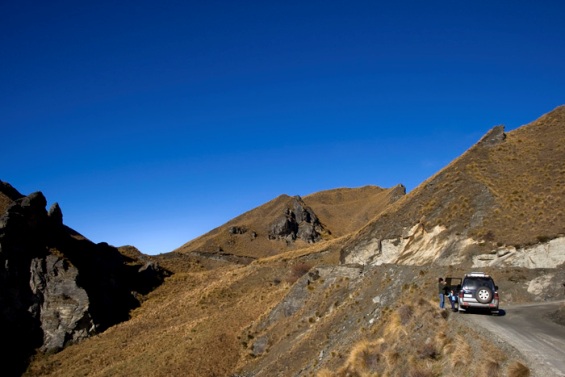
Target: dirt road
{"x": 530, "y": 329}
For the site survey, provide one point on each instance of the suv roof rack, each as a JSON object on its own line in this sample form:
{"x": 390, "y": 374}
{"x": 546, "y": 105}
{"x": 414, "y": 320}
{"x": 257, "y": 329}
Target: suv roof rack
{"x": 482, "y": 274}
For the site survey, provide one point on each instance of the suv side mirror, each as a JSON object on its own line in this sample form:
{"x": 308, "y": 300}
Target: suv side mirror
{"x": 496, "y": 287}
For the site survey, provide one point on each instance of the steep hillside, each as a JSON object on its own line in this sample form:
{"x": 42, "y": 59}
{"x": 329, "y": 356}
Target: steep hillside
{"x": 261, "y": 320}
{"x": 253, "y": 298}
{"x": 505, "y": 192}
{"x": 346, "y": 210}
{"x": 289, "y": 223}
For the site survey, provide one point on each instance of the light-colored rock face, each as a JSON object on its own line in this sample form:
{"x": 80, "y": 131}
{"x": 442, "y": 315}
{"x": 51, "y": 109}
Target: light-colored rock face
{"x": 415, "y": 247}
{"x": 419, "y": 247}
{"x": 539, "y": 285}
{"x": 545, "y": 255}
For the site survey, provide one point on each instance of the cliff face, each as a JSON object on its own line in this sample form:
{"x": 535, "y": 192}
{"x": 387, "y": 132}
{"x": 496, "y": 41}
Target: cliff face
{"x": 56, "y": 287}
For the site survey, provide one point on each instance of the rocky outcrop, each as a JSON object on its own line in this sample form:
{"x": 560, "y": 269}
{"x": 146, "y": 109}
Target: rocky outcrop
{"x": 60, "y": 304}
{"x": 237, "y": 230}
{"x": 416, "y": 246}
{"x": 495, "y": 136}
{"x": 57, "y": 288}
{"x": 419, "y": 247}
{"x": 543, "y": 255}
{"x": 298, "y": 221}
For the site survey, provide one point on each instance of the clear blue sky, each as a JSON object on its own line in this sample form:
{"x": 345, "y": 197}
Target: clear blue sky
{"x": 153, "y": 122}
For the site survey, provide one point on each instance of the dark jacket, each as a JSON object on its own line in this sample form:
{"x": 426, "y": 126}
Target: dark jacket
{"x": 442, "y": 288}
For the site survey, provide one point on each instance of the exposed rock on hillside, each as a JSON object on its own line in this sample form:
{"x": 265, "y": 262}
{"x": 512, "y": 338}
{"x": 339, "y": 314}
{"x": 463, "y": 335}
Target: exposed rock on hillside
{"x": 56, "y": 287}
{"x": 544, "y": 255}
{"x": 298, "y": 221}
{"x": 291, "y": 309}
{"x": 493, "y": 137}
{"x": 291, "y": 222}
{"x": 503, "y": 194}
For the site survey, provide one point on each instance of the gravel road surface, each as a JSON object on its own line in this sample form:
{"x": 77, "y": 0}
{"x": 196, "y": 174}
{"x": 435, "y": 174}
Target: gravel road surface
{"x": 531, "y": 330}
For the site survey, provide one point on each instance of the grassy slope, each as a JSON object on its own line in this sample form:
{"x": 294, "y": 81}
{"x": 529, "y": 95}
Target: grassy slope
{"x": 508, "y": 193}
{"x": 199, "y": 322}
{"x": 346, "y": 210}
{"x": 194, "y": 324}
{"x": 340, "y": 211}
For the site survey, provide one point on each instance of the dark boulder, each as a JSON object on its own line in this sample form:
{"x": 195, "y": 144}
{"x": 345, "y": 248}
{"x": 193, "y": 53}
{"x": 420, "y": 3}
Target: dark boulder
{"x": 298, "y": 221}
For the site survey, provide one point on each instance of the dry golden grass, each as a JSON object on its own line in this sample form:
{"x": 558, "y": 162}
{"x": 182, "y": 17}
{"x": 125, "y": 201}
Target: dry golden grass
{"x": 346, "y": 210}
{"x": 422, "y": 340}
{"x": 204, "y": 322}
{"x": 517, "y": 369}
{"x": 508, "y": 193}
{"x": 190, "y": 326}
{"x": 364, "y": 358}
{"x": 340, "y": 211}
{"x": 204, "y": 319}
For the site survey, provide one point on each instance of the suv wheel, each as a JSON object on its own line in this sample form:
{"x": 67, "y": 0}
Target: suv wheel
{"x": 484, "y": 295}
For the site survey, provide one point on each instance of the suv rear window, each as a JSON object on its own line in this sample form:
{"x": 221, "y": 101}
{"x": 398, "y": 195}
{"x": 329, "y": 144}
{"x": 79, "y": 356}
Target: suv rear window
{"x": 475, "y": 282}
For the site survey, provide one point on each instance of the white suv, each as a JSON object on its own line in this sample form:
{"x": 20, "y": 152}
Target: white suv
{"x": 478, "y": 291}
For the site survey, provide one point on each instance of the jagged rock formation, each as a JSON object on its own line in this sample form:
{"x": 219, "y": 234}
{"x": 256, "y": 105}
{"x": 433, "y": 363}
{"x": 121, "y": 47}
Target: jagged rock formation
{"x": 290, "y": 222}
{"x": 298, "y": 221}
{"x": 56, "y": 287}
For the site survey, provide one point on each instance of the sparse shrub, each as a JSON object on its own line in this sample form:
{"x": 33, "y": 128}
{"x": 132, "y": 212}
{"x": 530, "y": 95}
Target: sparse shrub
{"x": 460, "y": 356}
{"x": 428, "y": 351}
{"x": 364, "y": 357}
{"x": 491, "y": 368}
{"x": 420, "y": 372}
{"x": 543, "y": 239}
{"x": 393, "y": 358}
{"x": 405, "y": 313}
{"x": 517, "y": 369}
{"x": 489, "y": 236}
{"x": 444, "y": 314}
{"x": 297, "y": 271}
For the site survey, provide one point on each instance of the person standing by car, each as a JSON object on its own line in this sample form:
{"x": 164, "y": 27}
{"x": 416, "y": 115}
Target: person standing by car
{"x": 441, "y": 291}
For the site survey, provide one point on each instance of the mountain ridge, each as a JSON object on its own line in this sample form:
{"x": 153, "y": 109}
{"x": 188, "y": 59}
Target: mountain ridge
{"x": 253, "y": 233}
{"x": 359, "y": 302}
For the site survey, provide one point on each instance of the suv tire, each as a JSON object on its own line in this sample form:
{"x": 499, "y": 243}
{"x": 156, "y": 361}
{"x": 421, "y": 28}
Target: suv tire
{"x": 484, "y": 295}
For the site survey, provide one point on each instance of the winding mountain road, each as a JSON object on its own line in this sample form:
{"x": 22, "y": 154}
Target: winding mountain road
{"x": 530, "y": 330}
